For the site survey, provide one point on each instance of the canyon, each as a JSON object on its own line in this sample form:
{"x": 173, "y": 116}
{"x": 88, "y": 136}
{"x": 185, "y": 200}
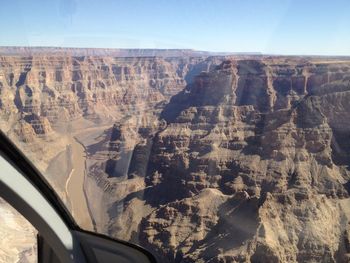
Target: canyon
{"x": 197, "y": 157}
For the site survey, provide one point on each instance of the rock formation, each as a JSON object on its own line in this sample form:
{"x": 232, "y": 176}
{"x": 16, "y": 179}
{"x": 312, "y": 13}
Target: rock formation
{"x": 18, "y": 237}
{"x": 198, "y": 159}
{"x": 251, "y": 166}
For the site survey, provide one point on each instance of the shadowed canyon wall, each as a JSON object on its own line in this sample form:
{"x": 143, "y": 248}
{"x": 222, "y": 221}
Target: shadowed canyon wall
{"x": 199, "y": 159}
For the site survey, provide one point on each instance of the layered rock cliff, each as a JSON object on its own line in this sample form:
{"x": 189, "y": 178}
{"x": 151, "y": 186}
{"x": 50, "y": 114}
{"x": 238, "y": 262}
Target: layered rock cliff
{"x": 48, "y": 98}
{"x": 198, "y": 159}
{"x": 44, "y": 96}
{"x": 251, "y": 165}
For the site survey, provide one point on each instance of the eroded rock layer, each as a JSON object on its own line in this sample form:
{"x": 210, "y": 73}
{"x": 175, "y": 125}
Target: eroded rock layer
{"x": 218, "y": 159}
{"x": 251, "y": 165}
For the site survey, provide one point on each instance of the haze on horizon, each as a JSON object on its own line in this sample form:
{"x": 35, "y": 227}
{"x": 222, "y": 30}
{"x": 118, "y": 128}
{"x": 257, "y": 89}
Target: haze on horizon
{"x": 290, "y": 27}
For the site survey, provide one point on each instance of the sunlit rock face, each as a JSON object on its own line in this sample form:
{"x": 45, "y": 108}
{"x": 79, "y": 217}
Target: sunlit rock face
{"x": 251, "y": 164}
{"x": 48, "y": 98}
{"x": 45, "y": 93}
{"x": 198, "y": 159}
{"x": 68, "y": 87}
{"x": 18, "y": 237}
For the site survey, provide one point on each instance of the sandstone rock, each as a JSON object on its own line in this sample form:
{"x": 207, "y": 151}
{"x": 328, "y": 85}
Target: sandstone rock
{"x": 219, "y": 159}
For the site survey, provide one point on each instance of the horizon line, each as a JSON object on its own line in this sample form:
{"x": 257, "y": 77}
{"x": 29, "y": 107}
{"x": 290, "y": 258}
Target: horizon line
{"x": 256, "y": 53}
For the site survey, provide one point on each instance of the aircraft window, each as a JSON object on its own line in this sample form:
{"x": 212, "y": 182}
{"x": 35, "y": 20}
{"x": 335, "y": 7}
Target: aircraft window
{"x": 18, "y": 243}
{"x": 203, "y": 131}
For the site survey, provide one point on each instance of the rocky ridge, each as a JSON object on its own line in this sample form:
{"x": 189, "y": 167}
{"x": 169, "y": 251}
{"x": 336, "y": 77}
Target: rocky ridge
{"x": 204, "y": 159}
{"x": 251, "y": 165}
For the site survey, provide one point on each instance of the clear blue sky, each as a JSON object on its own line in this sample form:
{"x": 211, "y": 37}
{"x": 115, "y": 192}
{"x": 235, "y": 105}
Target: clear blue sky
{"x": 268, "y": 26}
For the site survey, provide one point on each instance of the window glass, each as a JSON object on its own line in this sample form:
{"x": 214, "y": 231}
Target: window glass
{"x": 18, "y": 242}
{"x": 204, "y": 131}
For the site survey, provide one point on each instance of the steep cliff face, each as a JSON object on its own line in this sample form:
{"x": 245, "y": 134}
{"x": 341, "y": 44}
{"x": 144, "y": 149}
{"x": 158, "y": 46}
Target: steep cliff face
{"x": 49, "y": 98}
{"x": 203, "y": 159}
{"x": 44, "y": 96}
{"x": 63, "y": 88}
{"x": 250, "y": 166}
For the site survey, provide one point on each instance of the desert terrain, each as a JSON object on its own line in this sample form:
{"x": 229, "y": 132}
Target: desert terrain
{"x": 197, "y": 157}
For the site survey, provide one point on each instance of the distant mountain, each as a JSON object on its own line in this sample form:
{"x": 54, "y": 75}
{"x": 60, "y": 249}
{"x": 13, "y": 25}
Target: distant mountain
{"x": 115, "y": 52}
